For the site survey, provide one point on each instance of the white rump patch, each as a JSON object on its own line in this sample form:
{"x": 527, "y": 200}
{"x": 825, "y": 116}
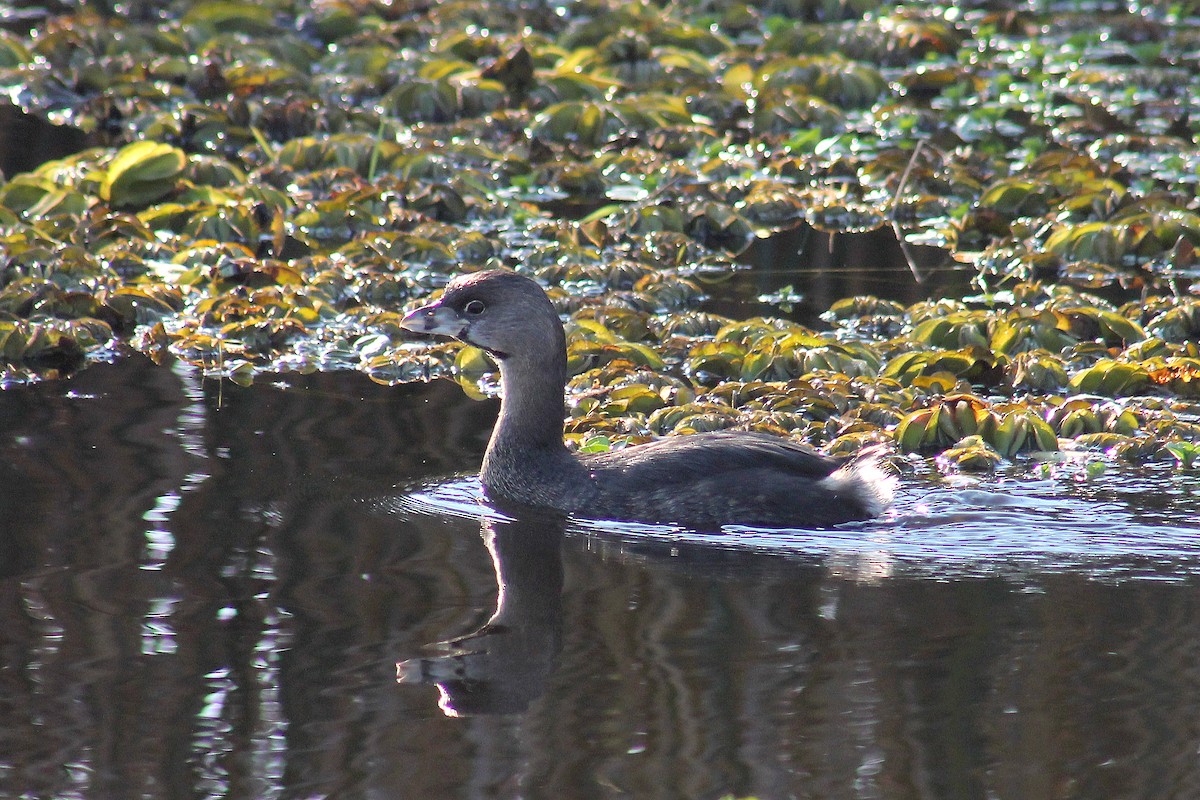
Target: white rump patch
{"x": 868, "y": 479}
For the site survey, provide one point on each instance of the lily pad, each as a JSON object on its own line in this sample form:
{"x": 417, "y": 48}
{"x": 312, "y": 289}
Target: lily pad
{"x": 141, "y": 173}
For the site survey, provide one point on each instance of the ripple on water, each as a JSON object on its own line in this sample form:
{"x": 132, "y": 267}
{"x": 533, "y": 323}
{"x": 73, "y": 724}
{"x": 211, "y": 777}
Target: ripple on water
{"x": 1010, "y": 529}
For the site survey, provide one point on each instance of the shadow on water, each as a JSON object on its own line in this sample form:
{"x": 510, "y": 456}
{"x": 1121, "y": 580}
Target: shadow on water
{"x": 205, "y": 591}
{"x": 27, "y": 141}
{"x": 823, "y": 268}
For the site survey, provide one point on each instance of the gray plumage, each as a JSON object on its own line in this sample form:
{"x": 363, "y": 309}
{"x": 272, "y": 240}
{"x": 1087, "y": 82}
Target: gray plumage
{"x": 702, "y": 480}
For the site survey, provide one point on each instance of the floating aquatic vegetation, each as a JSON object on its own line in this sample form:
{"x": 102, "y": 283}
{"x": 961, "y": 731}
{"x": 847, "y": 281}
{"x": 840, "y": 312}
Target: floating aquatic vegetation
{"x": 1006, "y": 428}
{"x": 1037, "y": 371}
{"x": 261, "y": 190}
{"x": 1178, "y": 324}
{"x": 1186, "y": 453}
{"x": 970, "y": 454}
{"x": 1178, "y": 376}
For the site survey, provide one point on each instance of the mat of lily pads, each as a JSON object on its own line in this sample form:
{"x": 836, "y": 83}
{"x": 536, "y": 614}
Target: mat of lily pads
{"x": 267, "y": 187}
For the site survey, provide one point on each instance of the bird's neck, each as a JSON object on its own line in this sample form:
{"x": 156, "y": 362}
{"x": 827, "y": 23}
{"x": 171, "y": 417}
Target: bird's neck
{"x": 531, "y": 406}
{"x": 526, "y": 461}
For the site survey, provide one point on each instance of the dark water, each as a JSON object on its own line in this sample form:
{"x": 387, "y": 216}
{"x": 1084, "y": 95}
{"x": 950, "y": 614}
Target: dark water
{"x": 205, "y": 590}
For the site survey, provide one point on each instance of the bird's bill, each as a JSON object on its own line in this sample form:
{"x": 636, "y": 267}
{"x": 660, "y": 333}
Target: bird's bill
{"x": 434, "y": 318}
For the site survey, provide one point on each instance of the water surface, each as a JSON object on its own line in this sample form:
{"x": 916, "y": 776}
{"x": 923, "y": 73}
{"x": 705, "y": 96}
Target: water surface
{"x": 205, "y": 591}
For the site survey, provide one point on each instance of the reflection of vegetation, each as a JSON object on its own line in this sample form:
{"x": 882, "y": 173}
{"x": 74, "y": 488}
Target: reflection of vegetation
{"x": 269, "y": 184}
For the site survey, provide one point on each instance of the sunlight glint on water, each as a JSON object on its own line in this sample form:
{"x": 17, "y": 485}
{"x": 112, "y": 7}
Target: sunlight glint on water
{"x": 1012, "y": 528}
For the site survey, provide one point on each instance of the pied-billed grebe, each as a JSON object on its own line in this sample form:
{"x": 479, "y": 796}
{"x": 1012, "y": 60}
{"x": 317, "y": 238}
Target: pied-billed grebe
{"x": 702, "y": 480}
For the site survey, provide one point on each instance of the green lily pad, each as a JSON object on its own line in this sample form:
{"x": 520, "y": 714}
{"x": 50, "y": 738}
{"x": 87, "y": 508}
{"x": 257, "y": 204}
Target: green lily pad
{"x": 141, "y": 173}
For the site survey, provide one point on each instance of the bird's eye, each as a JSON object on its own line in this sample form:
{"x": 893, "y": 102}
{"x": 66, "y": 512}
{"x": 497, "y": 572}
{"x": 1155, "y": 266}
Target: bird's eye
{"x": 475, "y": 308}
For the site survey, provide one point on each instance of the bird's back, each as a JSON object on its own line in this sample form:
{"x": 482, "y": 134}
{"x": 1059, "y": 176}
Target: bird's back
{"x": 705, "y": 480}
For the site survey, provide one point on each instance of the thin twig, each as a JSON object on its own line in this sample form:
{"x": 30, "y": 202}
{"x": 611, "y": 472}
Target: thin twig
{"x": 905, "y": 248}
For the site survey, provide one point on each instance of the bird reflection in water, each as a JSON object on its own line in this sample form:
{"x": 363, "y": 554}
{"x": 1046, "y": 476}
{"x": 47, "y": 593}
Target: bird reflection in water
{"x": 504, "y": 666}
